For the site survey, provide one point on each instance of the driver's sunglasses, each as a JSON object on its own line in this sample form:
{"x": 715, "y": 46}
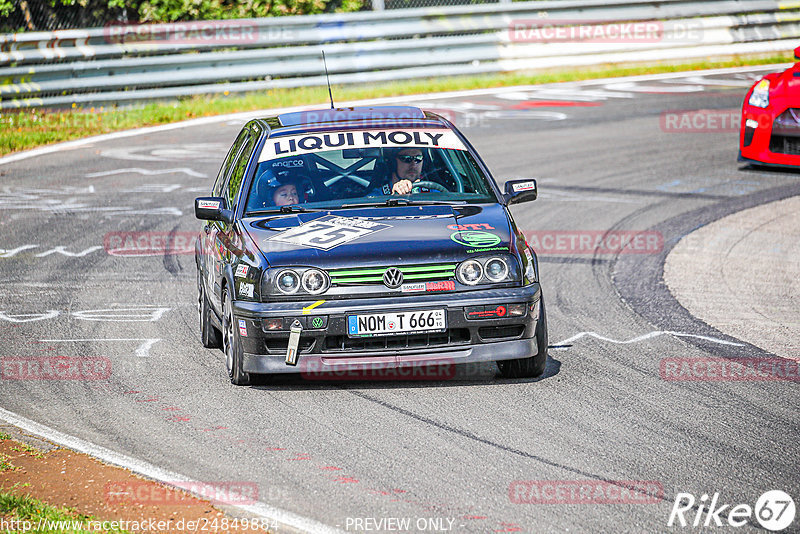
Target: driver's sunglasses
{"x": 410, "y": 159}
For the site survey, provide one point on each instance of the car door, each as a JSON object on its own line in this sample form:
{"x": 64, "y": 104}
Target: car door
{"x": 226, "y": 241}
{"x": 209, "y": 257}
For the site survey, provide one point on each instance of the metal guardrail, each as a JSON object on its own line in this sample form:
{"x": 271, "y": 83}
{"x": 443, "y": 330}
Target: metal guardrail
{"x": 123, "y": 64}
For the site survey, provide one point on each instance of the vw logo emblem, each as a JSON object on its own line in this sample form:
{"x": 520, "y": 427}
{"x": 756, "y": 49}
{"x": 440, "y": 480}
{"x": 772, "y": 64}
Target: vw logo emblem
{"x": 393, "y": 278}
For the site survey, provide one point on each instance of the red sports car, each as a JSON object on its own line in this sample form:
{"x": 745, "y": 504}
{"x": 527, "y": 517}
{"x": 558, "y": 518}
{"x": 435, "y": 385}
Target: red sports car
{"x": 770, "y": 132}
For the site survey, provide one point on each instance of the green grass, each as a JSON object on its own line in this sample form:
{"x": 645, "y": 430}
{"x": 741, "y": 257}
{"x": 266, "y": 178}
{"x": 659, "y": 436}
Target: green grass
{"x": 21, "y": 130}
{"x": 26, "y": 508}
{"x": 28, "y": 449}
{"x": 5, "y": 463}
{"x": 3, "y": 436}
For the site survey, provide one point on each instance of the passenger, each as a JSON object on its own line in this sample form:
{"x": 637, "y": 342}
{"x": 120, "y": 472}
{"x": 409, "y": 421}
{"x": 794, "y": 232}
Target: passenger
{"x": 280, "y": 188}
{"x": 285, "y": 195}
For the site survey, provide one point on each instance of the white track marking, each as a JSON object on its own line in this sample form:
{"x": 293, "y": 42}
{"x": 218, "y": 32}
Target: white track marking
{"x": 134, "y": 314}
{"x": 68, "y": 145}
{"x": 65, "y": 252}
{"x": 153, "y": 188}
{"x": 658, "y": 89}
{"x": 28, "y": 317}
{"x": 637, "y": 339}
{"x": 284, "y": 518}
{"x": 147, "y": 172}
{"x": 702, "y": 80}
{"x": 12, "y": 252}
{"x": 142, "y": 351}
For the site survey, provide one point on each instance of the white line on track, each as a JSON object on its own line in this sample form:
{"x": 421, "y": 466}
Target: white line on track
{"x": 653, "y": 334}
{"x": 68, "y": 145}
{"x": 147, "y": 172}
{"x": 286, "y": 520}
{"x": 143, "y": 351}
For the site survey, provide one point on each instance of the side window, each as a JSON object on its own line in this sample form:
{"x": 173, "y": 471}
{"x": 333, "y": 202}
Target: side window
{"x": 226, "y": 165}
{"x": 237, "y": 171}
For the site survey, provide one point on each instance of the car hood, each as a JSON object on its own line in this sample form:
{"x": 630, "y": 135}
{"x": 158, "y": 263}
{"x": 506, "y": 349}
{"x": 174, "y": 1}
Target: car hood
{"x": 381, "y": 236}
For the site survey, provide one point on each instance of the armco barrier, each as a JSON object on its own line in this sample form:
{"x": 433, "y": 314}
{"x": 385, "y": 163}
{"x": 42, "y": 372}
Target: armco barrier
{"x": 127, "y": 63}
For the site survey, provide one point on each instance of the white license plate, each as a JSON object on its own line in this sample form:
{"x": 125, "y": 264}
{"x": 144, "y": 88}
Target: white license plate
{"x": 388, "y": 324}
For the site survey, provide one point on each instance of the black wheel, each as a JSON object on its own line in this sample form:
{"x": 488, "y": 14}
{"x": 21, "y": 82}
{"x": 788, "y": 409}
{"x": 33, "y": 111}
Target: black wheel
{"x": 232, "y": 345}
{"x": 209, "y": 336}
{"x": 533, "y": 366}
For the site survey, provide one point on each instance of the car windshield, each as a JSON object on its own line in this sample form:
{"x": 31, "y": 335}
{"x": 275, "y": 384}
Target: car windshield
{"x": 307, "y": 171}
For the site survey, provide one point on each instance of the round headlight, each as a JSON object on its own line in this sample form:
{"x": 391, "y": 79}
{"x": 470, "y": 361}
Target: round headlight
{"x": 315, "y": 282}
{"x": 287, "y": 281}
{"x": 469, "y": 272}
{"x": 496, "y": 269}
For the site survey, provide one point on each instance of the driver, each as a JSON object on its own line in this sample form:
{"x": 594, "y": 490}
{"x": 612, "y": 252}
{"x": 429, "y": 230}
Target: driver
{"x": 408, "y": 169}
{"x": 405, "y": 166}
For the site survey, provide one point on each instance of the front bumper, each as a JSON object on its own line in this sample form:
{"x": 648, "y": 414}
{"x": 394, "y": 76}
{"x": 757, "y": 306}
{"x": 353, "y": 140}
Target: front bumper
{"x": 330, "y": 349}
{"x": 768, "y": 143}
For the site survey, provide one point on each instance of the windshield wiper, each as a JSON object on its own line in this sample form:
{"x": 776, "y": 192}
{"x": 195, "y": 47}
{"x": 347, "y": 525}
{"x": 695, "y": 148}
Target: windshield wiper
{"x": 400, "y": 201}
{"x": 282, "y": 209}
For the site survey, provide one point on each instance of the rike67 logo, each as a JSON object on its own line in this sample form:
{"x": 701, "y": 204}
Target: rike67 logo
{"x": 774, "y": 510}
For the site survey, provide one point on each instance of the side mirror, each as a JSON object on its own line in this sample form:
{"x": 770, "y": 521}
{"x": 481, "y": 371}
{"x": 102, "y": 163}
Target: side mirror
{"x": 797, "y": 53}
{"x": 210, "y": 209}
{"x": 520, "y": 191}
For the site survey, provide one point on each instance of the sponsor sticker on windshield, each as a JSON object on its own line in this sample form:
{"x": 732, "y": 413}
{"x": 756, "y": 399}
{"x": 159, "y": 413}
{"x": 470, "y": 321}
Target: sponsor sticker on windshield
{"x": 329, "y": 231}
{"x": 294, "y": 145}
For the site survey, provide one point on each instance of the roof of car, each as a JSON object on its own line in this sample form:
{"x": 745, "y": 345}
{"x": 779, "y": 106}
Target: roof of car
{"x": 350, "y": 114}
{"x": 356, "y": 117}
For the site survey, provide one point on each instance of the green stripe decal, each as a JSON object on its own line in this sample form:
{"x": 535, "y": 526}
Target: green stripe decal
{"x": 374, "y": 275}
{"x": 428, "y": 276}
{"x": 447, "y": 267}
{"x": 355, "y": 280}
{"x": 381, "y": 270}
{"x": 357, "y": 272}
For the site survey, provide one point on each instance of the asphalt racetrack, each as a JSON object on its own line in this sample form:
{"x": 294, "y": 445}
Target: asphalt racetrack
{"x": 652, "y": 157}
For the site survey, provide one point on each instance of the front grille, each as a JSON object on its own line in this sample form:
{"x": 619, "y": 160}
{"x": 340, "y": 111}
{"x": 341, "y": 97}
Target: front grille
{"x": 453, "y": 336}
{"x": 411, "y": 273}
{"x": 787, "y": 123}
{"x": 501, "y": 332}
{"x": 785, "y": 137}
{"x": 780, "y": 144}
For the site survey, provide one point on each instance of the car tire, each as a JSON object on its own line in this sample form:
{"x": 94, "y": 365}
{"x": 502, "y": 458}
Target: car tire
{"x": 231, "y": 344}
{"x": 533, "y": 366}
{"x": 210, "y": 337}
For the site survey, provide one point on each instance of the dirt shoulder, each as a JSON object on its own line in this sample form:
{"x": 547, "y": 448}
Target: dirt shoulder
{"x": 87, "y": 487}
